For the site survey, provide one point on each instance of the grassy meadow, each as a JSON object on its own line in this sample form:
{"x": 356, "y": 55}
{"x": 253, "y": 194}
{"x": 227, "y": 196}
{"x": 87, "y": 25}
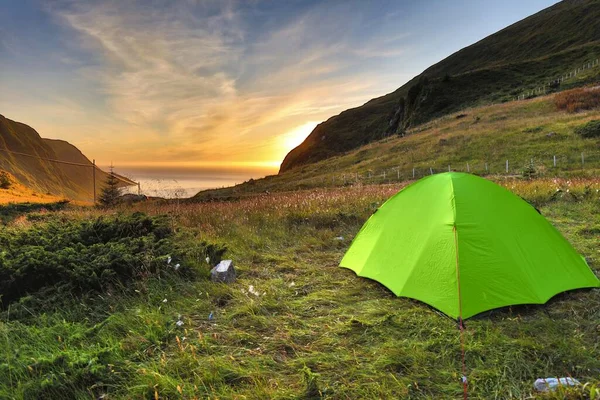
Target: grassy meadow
{"x": 294, "y": 325}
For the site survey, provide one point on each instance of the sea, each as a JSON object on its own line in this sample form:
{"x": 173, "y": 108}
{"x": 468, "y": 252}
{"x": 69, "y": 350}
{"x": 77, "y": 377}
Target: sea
{"x": 182, "y": 182}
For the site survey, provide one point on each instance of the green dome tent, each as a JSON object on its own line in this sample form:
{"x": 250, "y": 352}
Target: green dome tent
{"x": 465, "y": 245}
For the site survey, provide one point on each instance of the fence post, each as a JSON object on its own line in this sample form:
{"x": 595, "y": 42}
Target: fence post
{"x": 507, "y": 166}
{"x": 448, "y": 167}
{"x": 384, "y": 175}
{"x": 94, "y": 178}
{"x": 554, "y": 161}
{"x": 398, "y": 172}
{"x": 486, "y": 168}
{"x": 430, "y": 171}
{"x": 468, "y": 168}
{"x": 413, "y": 173}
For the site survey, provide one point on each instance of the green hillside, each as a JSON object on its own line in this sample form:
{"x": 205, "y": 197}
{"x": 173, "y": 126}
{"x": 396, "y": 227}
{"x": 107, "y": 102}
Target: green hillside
{"x": 523, "y": 132}
{"x": 32, "y": 169}
{"x": 527, "y": 55}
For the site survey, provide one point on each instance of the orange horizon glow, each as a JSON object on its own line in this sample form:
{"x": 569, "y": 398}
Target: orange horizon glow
{"x": 200, "y": 164}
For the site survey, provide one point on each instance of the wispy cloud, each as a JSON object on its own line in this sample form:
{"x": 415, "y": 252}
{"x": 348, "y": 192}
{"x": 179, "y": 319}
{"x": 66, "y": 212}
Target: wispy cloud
{"x": 187, "y": 75}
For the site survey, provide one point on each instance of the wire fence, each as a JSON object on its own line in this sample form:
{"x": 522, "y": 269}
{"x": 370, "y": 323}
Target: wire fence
{"x": 94, "y": 185}
{"x": 541, "y": 165}
{"x": 555, "y": 83}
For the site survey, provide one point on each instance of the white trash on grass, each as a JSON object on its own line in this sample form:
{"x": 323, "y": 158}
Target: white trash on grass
{"x": 546, "y": 384}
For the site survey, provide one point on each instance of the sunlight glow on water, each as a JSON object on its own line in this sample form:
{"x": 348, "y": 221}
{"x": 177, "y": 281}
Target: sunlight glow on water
{"x": 180, "y": 182}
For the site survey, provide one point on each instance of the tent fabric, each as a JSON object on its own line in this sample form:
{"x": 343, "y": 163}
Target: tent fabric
{"x": 465, "y": 245}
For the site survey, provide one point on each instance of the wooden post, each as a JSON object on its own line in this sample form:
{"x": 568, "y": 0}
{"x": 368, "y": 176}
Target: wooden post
{"x": 413, "y": 173}
{"x": 398, "y": 172}
{"x": 94, "y": 178}
{"x": 139, "y": 189}
{"x": 448, "y": 168}
{"x": 468, "y": 168}
{"x": 430, "y": 171}
{"x": 486, "y": 168}
{"x": 507, "y": 166}
{"x": 554, "y": 157}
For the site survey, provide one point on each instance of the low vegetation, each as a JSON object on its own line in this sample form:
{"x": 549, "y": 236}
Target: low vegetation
{"x": 294, "y": 325}
{"x": 578, "y": 99}
{"x": 589, "y": 130}
{"x": 74, "y": 319}
{"x": 5, "y": 181}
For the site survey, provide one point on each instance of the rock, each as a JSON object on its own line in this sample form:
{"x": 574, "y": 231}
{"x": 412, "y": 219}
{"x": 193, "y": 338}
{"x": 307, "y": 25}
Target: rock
{"x": 130, "y": 198}
{"x": 223, "y": 272}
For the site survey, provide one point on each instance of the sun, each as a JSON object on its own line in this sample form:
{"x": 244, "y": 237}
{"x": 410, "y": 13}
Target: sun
{"x": 293, "y": 138}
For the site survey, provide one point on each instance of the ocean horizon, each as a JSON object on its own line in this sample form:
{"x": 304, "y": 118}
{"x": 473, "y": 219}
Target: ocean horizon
{"x": 182, "y": 182}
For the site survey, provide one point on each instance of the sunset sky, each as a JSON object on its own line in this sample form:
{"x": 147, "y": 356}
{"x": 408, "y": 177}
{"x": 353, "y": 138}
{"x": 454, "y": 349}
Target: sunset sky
{"x": 218, "y": 82}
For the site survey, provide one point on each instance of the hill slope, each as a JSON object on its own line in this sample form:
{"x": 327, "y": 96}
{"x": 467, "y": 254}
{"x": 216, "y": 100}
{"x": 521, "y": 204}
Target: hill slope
{"x": 521, "y": 57}
{"x": 37, "y": 173}
{"x": 519, "y": 131}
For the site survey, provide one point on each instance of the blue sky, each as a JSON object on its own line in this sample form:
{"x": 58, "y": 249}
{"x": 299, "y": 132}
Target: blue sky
{"x": 218, "y": 82}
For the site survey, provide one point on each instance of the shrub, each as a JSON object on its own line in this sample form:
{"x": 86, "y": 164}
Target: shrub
{"x": 577, "y": 99}
{"x": 13, "y": 210}
{"x": 68, "y": 258}
{"x": 4, "y": 180}
{"x": 589, "y": 130}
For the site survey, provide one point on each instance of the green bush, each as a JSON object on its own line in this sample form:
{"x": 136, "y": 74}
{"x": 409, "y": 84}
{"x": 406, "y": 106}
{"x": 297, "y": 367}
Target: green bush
{"x": 13, "y": 210}
{"x": 4, "y": 180}
{"x": 66, "y": 258}
{"x": 589, "y": 130}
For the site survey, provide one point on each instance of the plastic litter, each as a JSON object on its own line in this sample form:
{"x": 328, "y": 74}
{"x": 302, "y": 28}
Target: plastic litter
{"x": 547, "y": 384}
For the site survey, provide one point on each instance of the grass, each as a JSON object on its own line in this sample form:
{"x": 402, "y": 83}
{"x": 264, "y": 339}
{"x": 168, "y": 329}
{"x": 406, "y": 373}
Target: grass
{"x": 306, "y": 329}
{"x": 11, "y": 191}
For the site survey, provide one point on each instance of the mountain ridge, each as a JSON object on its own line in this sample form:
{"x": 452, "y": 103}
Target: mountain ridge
{"x": 37, "y": 167}
{"x": 495, "y": 69}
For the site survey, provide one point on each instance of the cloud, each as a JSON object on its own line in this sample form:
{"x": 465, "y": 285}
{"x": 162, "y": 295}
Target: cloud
{"x": 201, "y": 74}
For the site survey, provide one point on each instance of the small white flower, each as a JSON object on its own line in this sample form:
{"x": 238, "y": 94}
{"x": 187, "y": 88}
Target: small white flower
{"x": 179, "y": 323}
{"x": 169, "y": 260}
{"x": 292, "y": 284}
{"x": 207, "y": 260}
{"x": 164, "y": 300}
{"x": 253, "y": 291}
{"x": 567, "y": 190}
{"x": 176, "y": 267}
